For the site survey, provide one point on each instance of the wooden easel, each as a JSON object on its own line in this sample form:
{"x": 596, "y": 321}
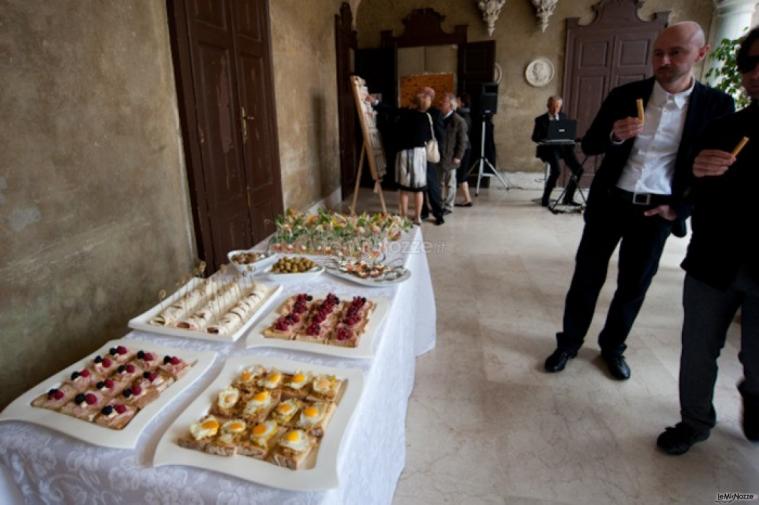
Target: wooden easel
{"x": 371, "y": 147}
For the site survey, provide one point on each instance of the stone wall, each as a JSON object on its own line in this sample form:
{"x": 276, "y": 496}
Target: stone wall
{"x": 518, "y": 41}
{"x": 305, "y": 75}
{"x": 94, "y": 216}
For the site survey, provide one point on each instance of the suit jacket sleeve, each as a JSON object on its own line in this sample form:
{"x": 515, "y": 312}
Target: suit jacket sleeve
{"x": 461, "y": 140}
{"x": 706, "y": 140}
{"x": 536, "y": 131}
{"x": 597, "y": 139}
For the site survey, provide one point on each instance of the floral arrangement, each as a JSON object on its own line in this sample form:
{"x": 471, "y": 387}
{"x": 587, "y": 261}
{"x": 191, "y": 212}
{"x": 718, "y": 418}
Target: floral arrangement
{"x": 332, "y": 234}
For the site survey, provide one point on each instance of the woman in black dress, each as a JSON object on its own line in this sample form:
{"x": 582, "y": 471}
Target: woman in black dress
{"x": 413, "y": 130}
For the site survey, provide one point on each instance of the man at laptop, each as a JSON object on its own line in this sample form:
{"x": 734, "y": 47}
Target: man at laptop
{"x": 556, "y": 146}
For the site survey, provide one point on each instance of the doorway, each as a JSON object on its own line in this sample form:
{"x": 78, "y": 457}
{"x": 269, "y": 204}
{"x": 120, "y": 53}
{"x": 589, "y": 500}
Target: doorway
{"x": 222, "y": 63}
{"x": 345, "y": 48}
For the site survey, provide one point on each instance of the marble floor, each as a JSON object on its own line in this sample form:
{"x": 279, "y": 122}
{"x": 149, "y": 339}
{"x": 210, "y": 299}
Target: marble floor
{"x": 487, "y": 426}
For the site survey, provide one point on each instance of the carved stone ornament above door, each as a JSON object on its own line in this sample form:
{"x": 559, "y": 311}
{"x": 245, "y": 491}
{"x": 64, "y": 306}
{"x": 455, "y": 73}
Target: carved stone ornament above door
{"x": 491, "y": 9}
{"x": 539, "y": 72}
{"x": 544, "y": 9}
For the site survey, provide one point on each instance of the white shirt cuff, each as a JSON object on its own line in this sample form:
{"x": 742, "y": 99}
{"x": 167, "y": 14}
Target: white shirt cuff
{"x": 615, "y": 142}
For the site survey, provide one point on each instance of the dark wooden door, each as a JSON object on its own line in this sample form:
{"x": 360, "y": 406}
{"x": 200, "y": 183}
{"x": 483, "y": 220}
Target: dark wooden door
{"x": 615, "y": 48}
{"x": 345, "y": 48}
{"x": 377, "y": 67}
{"x": 257, "y": 115}
{"x": 223, "y": 67}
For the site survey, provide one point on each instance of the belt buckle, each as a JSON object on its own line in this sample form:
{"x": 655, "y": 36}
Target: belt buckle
{"x": 642, "y": 198}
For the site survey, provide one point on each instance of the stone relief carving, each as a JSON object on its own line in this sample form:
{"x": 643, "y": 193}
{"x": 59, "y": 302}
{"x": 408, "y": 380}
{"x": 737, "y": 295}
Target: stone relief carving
{"x": 544, "y": 9}
{"x": 539, "y": 72}
{"x": 491, "y": 9}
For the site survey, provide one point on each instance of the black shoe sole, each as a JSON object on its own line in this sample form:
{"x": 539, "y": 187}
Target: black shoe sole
{"x": 673, "y": 451}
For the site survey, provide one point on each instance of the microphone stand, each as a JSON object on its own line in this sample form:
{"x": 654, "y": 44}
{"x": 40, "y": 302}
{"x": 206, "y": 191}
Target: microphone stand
{"x": 481, "y": 162}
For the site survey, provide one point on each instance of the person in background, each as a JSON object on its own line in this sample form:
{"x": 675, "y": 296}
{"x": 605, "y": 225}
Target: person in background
{"x": 638, "y": 193}
{"x": 411, "y": 130}
{"x": 433, "y": 196}
{"x": 553, "y": 154}
{"x": 461, "y": 172}
{"x": 454, "y": 146}
{"x": 408, "y": 129}
{"x": 722, "y": 266}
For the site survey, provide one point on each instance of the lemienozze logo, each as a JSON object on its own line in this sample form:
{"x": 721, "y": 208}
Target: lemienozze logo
{"x": 736, "y": 497}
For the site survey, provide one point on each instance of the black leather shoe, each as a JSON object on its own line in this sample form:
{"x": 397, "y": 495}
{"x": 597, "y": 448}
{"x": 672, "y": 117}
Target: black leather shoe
{"x": 617, "y": 367}
{"x": 439, "y": 220}
{"x": 678, "y": 439}
{"x": 558, "y": 360}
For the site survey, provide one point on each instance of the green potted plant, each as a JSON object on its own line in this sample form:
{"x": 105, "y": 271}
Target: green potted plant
{"x": 725, "y": 76}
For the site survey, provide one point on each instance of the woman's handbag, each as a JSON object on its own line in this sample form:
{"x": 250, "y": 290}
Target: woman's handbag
{"x": 433, "y": 153}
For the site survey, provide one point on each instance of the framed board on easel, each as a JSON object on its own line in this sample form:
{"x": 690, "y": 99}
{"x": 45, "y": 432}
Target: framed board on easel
{"x": 371, "y": 148}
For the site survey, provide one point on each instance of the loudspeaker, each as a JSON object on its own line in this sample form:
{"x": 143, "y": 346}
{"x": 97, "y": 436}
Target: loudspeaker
{"x": 488, "y": 99}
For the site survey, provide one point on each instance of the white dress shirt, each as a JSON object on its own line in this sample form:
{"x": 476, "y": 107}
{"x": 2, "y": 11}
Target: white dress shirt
{"x": 651, "y": 164}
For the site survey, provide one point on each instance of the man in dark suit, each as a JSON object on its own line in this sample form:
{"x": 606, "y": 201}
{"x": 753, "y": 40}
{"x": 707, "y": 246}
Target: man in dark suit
{"x": 453, "y": 147}
{"x": 722, "y": 266}
{"x": 637, "y": 194}
{"x": 552, "y": 154}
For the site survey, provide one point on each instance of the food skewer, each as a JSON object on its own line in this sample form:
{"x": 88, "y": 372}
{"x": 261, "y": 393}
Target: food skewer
{"x": 740, "y": 146}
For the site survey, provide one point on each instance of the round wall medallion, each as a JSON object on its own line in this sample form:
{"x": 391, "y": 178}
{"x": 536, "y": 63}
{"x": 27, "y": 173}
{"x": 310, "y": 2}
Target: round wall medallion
{"x": 539, "y": 72}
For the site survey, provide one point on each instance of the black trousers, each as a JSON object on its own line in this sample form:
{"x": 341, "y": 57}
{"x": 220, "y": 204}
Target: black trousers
{"x": 552, "y": 155}
{"x": 708, "y": 313}
{"x": 608, "y": 222}
{"x": 433, "y": 197}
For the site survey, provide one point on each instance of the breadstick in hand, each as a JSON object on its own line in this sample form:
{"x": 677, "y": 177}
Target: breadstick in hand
{"x": 740, "y": 147}
{"x": 641, "y": 110}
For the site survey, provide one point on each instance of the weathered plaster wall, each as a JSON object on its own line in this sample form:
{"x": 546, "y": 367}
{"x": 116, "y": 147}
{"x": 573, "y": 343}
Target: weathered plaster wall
{"x": 518, "y": 41}
{"x": 305, "y": 75}
{"x": 93, "y": 209}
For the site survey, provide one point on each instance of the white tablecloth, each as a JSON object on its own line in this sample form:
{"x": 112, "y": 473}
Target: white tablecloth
{"x": 46, "y": 467}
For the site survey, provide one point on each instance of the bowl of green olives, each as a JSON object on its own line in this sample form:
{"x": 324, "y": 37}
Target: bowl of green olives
{"x": 293, "y": 267}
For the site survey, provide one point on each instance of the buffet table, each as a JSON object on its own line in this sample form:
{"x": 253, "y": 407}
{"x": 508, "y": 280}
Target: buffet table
{"x": 46, "y": 467}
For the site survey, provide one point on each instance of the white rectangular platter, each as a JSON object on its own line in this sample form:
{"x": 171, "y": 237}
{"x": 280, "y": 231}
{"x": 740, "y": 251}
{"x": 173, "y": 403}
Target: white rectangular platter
{"x": 324, "y": 473}
{"x": 142, "y": 322}
{"x": 21, "y": 409}
{"x": 364, "y": 350}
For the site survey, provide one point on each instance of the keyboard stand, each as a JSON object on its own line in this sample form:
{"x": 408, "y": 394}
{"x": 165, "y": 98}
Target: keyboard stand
{"x": 579, "y": 208}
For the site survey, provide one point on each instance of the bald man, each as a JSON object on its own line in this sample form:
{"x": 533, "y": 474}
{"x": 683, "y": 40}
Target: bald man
{"x": 637, "y": 196}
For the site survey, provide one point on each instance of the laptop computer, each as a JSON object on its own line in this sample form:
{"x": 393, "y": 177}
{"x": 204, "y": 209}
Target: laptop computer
{"x": 563, "y": 131}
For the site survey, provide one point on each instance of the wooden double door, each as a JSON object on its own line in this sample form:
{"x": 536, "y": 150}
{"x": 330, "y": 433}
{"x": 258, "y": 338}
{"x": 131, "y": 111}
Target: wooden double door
{"x": 222, "y": 61}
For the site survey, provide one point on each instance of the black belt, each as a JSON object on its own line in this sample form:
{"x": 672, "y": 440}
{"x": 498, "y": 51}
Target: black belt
{"x": 649, "y": 199}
